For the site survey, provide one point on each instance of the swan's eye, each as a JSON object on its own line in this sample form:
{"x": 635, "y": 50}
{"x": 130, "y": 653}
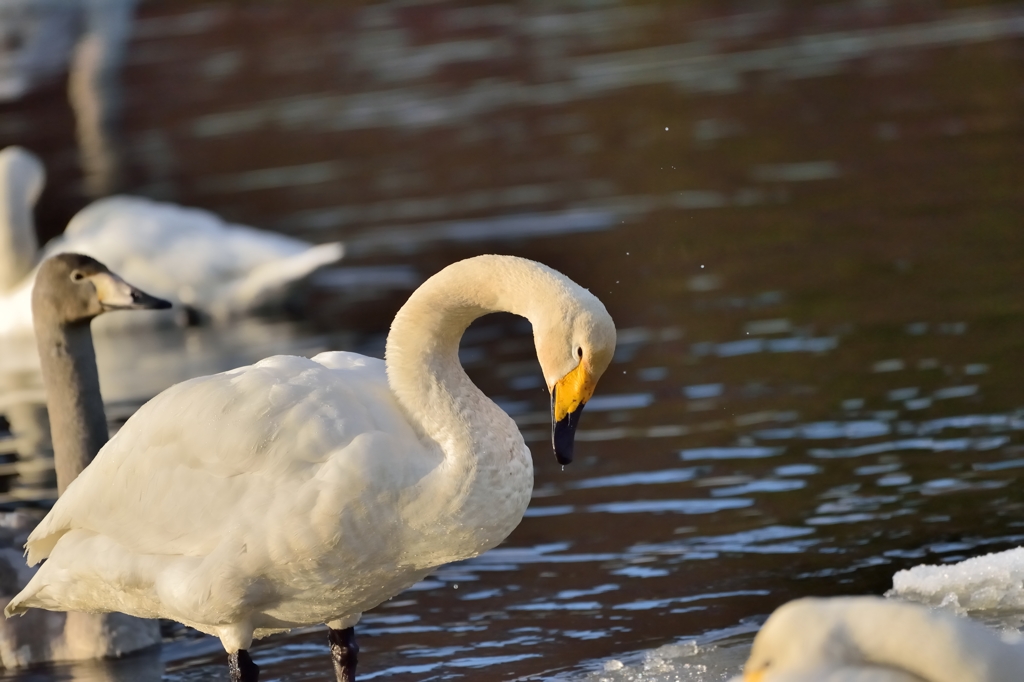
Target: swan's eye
{"x": 77, "y": 276}
{"x": 579, "y": 353}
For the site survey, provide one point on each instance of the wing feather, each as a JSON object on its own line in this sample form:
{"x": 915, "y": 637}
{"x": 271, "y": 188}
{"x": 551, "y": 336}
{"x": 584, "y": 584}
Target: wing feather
{"x": 209, "y": 457}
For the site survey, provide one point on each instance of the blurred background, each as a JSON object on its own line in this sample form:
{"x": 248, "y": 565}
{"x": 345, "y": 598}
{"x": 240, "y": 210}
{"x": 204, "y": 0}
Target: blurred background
{"x": 805, "y": 219}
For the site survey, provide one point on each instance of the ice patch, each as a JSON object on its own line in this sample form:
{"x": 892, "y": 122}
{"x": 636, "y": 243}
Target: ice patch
{"x": 683, "y": 662}
{"x": 989, "y": 582}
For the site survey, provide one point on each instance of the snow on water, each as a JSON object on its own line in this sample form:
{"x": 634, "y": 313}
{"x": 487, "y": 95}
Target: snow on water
{"x": 683, "y": 662}
{"x": 993, "y": 582}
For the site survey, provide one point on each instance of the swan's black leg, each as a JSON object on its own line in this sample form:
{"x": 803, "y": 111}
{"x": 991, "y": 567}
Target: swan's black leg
{"x": 242, "y": 668}
{"x": 344, "y": 652}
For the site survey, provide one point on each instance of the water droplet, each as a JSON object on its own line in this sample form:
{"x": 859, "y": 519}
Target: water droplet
{"x": 702, "y": 267}
{"x": 666, "y": 127}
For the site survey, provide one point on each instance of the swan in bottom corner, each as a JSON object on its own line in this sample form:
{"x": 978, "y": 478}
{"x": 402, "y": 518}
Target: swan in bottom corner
{"x": 294, "y": 491}
{"x": 185, "y": 254}
{"x": 870, "y": 639}
{"x": 70, "y": 291}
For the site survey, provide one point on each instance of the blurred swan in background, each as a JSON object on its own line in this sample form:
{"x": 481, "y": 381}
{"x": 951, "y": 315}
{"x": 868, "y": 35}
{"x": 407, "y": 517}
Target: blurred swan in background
{"x": 70, "y": 291}
{"x": 40, "y": 40}
{"x": 870, "y": 639}
{"x": 187, "y": 255}
{"x": 294, "y": 491}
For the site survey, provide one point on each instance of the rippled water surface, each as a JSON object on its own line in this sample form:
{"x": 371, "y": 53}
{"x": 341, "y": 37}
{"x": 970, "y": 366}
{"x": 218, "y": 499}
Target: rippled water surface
{"x": 805, "y": 224}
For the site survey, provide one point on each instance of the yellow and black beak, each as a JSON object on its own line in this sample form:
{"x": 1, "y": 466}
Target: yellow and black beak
{"x": 568, "y": 396}
{"x": 116, "y": 294}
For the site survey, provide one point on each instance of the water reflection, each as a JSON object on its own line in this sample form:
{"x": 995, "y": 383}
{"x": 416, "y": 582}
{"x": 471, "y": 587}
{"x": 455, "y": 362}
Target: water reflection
{"x": 803, "y": 221}
{"x": 33, "y": 469}
{"x": 144, "y": 668}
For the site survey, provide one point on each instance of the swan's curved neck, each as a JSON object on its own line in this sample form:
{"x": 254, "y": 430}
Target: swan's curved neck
{"x": 481, "y": 448}
{"x": 423, "y": 346}
{"x": 19, "y": 246}
{"x": 78, "y": 423}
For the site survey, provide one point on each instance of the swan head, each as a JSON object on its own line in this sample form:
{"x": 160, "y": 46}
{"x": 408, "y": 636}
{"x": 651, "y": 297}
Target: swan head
{"x": 574, "y": 350}
{"x": 782, "y": 643}
{"x": 813, "y": 634}
{"x": 71, "y": 288}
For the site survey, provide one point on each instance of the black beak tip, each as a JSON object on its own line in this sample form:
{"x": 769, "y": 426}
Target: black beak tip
{"x": 143, "y": 300}
{"x": 563, "y": 436}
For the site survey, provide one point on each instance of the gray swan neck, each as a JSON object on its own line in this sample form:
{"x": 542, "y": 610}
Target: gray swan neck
{"x": 78, "y": 423}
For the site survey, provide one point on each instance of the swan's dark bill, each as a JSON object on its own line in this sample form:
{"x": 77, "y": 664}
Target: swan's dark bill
{"x": 563, "y": 432}
{"x": 142, "y": 300}
{"x": 116, "y": 294}
{"x": 568, "y": 396}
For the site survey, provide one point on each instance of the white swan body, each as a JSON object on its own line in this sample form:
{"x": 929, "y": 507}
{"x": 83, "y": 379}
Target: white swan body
{"x": 187, "y": 255}
{"x": 296, "y": 491}
{"x": 869, "y": 639}
{"x": 169, "y": 558}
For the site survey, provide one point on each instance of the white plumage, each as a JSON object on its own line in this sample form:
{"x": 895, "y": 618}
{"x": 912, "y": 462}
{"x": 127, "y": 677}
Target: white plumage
{"x": 309, "y": 440}
{"x": 869, "y": 639}
{"x": 297, "y": 491}
{"x": 187, "y": 255}
{"x": 191, "y": 254}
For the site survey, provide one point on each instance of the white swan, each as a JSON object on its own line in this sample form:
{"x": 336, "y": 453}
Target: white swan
{"x": 184, "y": 254}
{"x": 40, "y": 39}
{"x": 70, "y": 291}
{"x": 869, "y": 639}
{"x": 295, "y": 491}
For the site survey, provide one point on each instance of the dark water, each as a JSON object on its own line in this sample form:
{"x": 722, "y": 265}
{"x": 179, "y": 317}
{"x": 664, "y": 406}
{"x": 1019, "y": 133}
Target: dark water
{"x": 806, "y": 224}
